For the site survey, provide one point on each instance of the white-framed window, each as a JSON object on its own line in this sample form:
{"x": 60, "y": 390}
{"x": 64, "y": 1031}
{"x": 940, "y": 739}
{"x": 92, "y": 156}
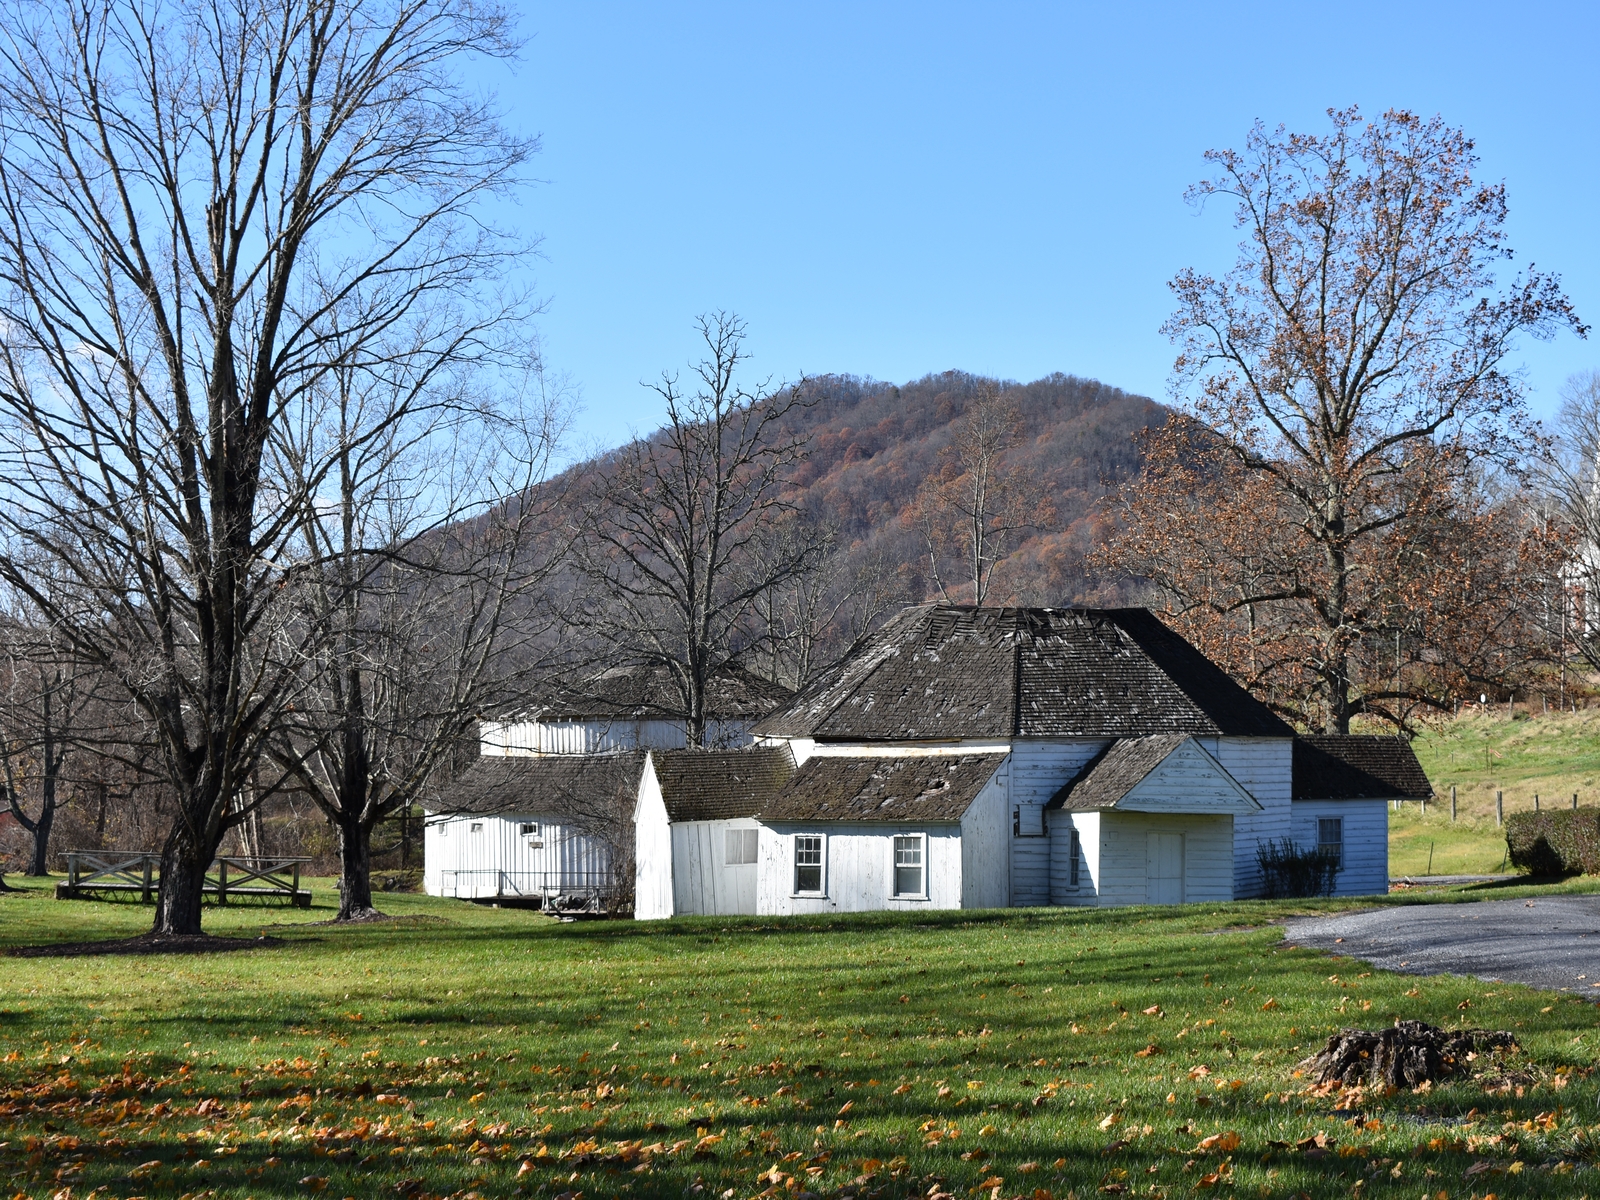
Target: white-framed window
{"x": 444, "y": 828}
{"x": 808, "y": 864}
{"x": 739, "y": 848}
{"x": 1076, "y": 853}
{"x": 1330, "y": 837}
{"x": 910, "y": 866}
{"x": 534, "y": 834}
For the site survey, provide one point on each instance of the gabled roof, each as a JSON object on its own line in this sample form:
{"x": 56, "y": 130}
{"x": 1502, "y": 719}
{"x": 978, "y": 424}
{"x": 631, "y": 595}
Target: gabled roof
{"x": 941, "y": 672}
{"x": 1357, "y": 767}
{"x": 645, "y": 692}
{"x": 929, "y": 788}
{"x": 719, "y": 785}
{"x": 1162, "y": 773}
{"x": 571, "y": 785}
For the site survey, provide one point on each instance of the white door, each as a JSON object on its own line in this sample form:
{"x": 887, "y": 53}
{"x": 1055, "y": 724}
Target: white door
{"x": 1163, "y": 873}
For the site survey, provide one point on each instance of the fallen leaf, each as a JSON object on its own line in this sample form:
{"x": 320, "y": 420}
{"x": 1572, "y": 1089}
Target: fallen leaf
{"x": 902, "y": 1089}
{"x": 1109, "y": 1120}
{"x": 1220, "y": 1141}
{"x": 314, "y": 1182}
{"x": 1153, "y": 1011}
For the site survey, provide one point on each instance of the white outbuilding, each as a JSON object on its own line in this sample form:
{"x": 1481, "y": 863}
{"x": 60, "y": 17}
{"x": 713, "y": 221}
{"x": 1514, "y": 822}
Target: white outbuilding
{"x": 1343, "y": 786}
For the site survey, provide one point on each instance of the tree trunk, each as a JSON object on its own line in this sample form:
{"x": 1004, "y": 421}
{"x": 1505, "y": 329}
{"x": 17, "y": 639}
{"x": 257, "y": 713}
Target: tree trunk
{"x": 41, "y": 831}
{"x": 184, "y": 860}
{"x": 355, "y": 870}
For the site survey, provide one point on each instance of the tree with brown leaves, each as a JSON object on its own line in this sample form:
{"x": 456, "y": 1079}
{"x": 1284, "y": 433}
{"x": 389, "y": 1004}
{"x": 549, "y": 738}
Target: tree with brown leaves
{"x": 1324, "y": 522}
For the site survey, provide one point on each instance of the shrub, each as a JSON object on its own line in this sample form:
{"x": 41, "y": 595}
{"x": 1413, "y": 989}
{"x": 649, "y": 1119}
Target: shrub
{"x": 1288, "y": 872}
{"x": 1564, "y": 841}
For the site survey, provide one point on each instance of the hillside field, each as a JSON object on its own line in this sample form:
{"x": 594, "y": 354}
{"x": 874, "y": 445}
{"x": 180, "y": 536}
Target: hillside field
{"x": 472, "y": 1052}
{"x": 1551, "y": 755}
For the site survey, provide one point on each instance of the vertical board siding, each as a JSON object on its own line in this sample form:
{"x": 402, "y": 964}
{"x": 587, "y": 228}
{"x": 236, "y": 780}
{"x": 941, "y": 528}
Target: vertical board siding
{"x": 1124, "y": 848}
{"x": 857, "y": 869}
{"x": 1061, "y": 826}
{"x": 599, "y": 736}
{"x": 986, "y": 846}
{"x": 703, "y": 881}
{"x": 1038, "y": 769}
{"x": 1264, "y": 766}
{"x": 498, "y": 861}
{"x": 1365, "y": 865}
{"x": 653, "y": 852}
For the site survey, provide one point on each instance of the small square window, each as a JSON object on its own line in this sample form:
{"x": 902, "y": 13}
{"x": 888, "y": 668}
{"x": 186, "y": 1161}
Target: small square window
{"x": 808, "y": 863}
{"x": 740, "y": 847}
{"x": 528, "y": 829}
{"x": 908, "y": 865}
{"x": 477, "y": 827}
{"x": 1330, "y": 837}
{"x": 444, "y": 829}
{"x": 1076, "y": 852}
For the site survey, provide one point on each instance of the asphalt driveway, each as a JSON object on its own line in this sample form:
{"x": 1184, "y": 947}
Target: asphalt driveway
{"x": 1552, "y": 943}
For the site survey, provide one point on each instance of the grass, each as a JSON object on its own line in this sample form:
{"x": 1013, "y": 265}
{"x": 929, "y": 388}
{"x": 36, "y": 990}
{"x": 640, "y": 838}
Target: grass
{"x": 464, "y": 1050}
{"x": 1551, "y": 755}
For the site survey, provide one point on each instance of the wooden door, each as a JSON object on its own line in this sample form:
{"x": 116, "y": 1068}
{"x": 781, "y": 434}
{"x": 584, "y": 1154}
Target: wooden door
{"x": 1163, "y": 868}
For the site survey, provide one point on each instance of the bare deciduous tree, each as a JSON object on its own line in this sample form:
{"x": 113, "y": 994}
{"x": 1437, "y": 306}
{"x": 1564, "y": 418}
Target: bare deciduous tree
{"x": 669, "y": 533}
{"x": 203, "y": 210}
{"x": 1350, "y": 366}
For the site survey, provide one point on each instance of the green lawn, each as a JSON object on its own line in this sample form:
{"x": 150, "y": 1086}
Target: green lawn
{"x": 465, "y": 1049}
{"x": 1551, "y": 756}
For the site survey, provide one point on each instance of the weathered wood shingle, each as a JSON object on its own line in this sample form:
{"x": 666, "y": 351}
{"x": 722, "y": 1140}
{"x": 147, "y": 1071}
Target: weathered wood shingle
{"x": 936, "y": 788}
{"x": 939, "y": 672}
{"x": 645, "y": 692}
{"x": 1115, "y": 771}
{"x": 556, "y": 784}
{"x": 720, "y": 785}
{"x": 1357, "y": 767}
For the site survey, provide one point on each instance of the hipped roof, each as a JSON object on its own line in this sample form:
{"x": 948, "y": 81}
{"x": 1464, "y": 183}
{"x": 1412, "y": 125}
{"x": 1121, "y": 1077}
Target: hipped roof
{"x": 1357, "y": 767}
{"x": 648, "y": 692}
{"x": 720, "y": 785}
{"x": 553, "y": 784}
{"x": 944, "y": 672}
{"x": 929, "y": 788}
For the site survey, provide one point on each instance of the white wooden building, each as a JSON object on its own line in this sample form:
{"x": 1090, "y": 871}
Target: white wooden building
{"x": 696, "y": 831}
{"x": 1343, "y": 786}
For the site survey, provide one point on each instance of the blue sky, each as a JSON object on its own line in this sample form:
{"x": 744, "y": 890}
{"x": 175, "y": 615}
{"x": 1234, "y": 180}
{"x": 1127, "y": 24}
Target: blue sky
{"x": 893, "y": 189}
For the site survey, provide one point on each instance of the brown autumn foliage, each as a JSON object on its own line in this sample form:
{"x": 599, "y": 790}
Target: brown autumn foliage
{"x": 1334, "y": 540}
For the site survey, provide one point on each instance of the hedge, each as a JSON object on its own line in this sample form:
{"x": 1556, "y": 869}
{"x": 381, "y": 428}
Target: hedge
{"x": 1563, "y": 841}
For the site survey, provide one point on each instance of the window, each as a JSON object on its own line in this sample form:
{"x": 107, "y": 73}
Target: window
{"x": 444, "y": 828}
{"x": 528, "y": 829}
{"x": 1077, "y": 849}
{"x": 808, "y": 863}
{"x": 477, "y": 827}
{"x": 908, "y": 865}
{"x": 1330, "y": 837}
{"x": 741, "y": 847}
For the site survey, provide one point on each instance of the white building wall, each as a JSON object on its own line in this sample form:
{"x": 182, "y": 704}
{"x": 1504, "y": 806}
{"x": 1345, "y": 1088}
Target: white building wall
{"x": 652, "y": 852}
{"x": 599, "y": 736}
{"x": 1265, "y": 767}
{"x": 479, "y": 857}
{"x": 1038, "y": 770}
{"x": 1124, "y": 847}
{"x": 1365, "y": 869}
{"x": 703, "y": 881}
{"x": 857, "y": 868}
{"x": 986, "y": 845}
{"x": 1061, "y": 825}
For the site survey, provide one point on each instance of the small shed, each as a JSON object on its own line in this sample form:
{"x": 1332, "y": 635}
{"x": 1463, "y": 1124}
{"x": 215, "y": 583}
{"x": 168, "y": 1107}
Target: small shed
{"x": 1343, "y": 784}
{"x": 553, "y": 830}
{"x": 854, "y": 833}
{"x": 1147, "y": 820}
{"x": 697, "y": 831}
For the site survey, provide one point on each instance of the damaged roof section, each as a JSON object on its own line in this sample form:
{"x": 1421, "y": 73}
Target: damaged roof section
{"x": 648, "y": 692}
{"x": 721, "y": 785}
{"x": 950, "y": 672}
{"x": 1358, "y": 767}
{"x": 912, "y": 789}
{"x": 554, "y": 784}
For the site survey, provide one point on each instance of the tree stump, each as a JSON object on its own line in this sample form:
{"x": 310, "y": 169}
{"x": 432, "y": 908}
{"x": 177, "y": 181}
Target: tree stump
{"x": 1404, "y": 1056}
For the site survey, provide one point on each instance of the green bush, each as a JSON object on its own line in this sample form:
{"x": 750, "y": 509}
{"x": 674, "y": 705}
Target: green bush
{"x": 1288, "y": 872}
{"x": 1564, "y": 841}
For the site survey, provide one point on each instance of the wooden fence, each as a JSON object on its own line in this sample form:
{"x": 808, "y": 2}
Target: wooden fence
{"x": 106, "y": 874}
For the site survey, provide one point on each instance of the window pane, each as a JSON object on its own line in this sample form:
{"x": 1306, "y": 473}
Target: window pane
{"x": 1077, "y": 847}
{"x": 752, "y": 845}
{"x": 740, "y": 847}
{"x": 808, "y": 863}
{"x": 908, "y": 865}
{"x": 1330, "y": 836}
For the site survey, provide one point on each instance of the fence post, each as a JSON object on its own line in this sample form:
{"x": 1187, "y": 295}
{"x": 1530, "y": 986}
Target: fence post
{"x": 1574, "y": 799}
{"x": 1424, "y": 806}
{"x": 148, "y": 864}
{"x": 1499, "y": 808}
{"x": 1536, "y": 802}
{"x": 1452, "y": 802}
{"x": 222, "y": 881}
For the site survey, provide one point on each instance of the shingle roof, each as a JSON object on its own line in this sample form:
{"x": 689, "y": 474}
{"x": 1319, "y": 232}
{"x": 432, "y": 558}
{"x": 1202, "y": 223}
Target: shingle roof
{"x": 934, "y": 788}
{"x": 557, "y": 784}
{"x": 1115, "y": 771}
{"x": 945, "y": 671}
{"x": 717, "y": 785}
{"x": 643, "y": 692}
{"x": 1357, "y": 767}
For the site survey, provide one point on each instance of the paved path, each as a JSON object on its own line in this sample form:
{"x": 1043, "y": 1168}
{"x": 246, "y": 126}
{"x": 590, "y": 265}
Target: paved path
{"x": 1552, "y": 943}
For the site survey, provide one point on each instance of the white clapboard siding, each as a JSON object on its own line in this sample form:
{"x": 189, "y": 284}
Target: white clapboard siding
{"x": 599, "y": 736}
{"x": 1189, "y": 781}
{"x": 1062, "y": 890}
{"x": 1124, "y": 855}
{"x": 1038, "y": 769}
{"x": 1265, "y": 767}
{"x": 986, "y": 846}
{"x": 652, "y": 853}
{"x": 1365, "y": 859}
{"x": 857, "y": 868}
{"x": 478, "y": 857}
{"x": 703, "y": 881}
